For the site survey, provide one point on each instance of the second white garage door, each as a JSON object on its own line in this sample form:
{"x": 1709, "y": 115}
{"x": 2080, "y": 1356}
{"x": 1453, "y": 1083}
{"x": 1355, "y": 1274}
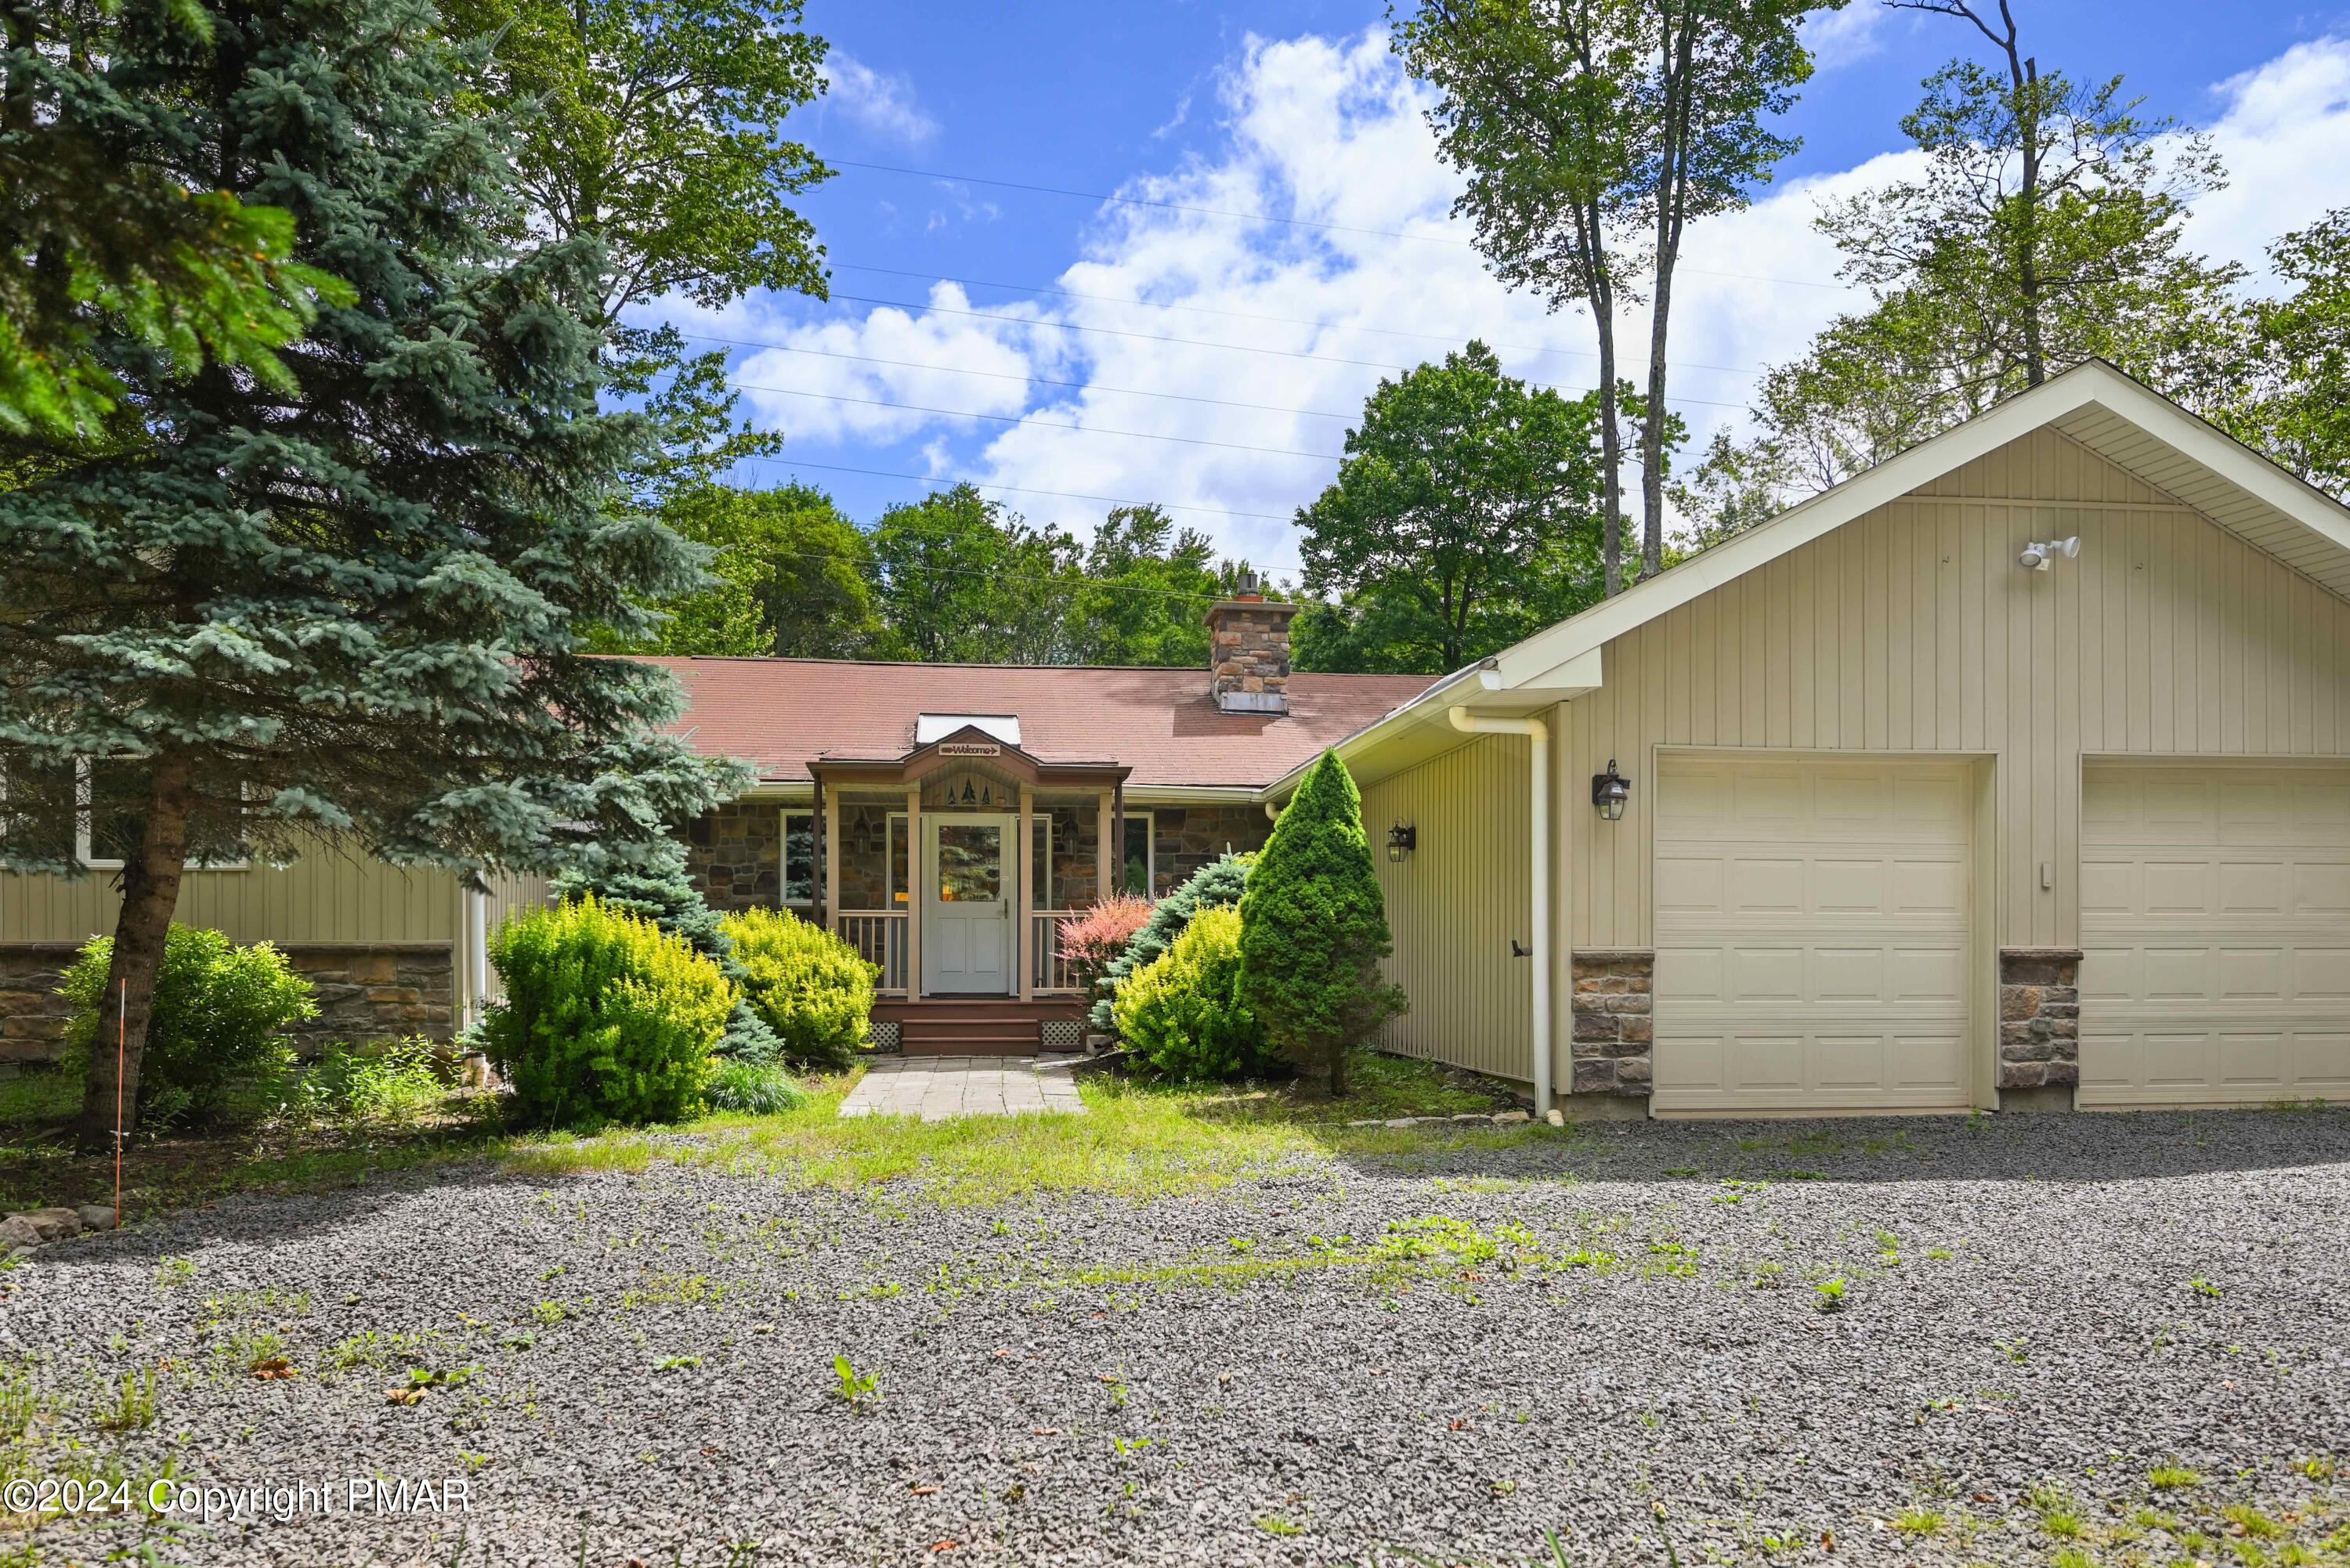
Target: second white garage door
{"x": 1813, "y": 928}
{"x": 2215, "y": 918}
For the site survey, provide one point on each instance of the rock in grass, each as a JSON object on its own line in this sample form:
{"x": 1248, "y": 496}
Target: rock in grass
{"x": 51, "y": 1224}
{"x": 96, "y": 1216}
{"x": 17, "y": 1234}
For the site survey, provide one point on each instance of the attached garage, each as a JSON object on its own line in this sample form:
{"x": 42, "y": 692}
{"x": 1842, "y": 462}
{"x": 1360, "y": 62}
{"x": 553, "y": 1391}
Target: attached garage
{"x": 1814, "y": 925}
{"x": 2215, "y": 934}
{"x": 2012, "y": 773}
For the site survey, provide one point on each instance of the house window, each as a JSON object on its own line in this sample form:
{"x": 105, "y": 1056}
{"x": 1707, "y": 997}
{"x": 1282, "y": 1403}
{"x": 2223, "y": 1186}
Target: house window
{"x": 40, "y": 810}
{"x": 1137, "y": 847}
{"x": 898, "y": 882}
{"x": 799, "y": 856}
{"x": 108, "y": 828}
{"x": 1040, "y": 861}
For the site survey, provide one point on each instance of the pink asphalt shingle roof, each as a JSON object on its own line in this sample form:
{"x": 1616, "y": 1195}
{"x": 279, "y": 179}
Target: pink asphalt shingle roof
{"x": 779, "y": 713}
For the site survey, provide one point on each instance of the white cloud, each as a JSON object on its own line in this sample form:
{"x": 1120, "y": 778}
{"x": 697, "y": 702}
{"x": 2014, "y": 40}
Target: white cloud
{"x": 2281, "y": 136}
{"x": 881, "y": 102}
{"x": 1305, "y": 317}
{"x": 1844, "y": 37}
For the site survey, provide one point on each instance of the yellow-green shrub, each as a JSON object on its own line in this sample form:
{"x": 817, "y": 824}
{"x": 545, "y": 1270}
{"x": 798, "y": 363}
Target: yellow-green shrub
{"x": 1183, "y": 1013}
{"x": 812, "y": 988}
{"x": 606, "y": 1018}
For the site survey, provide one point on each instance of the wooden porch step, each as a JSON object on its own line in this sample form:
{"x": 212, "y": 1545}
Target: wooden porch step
{"x": 975, "y": 1025}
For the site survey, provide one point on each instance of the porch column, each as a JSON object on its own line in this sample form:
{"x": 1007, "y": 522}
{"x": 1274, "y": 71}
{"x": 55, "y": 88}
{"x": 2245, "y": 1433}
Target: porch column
{"x": 1101, "y": 860}
{"x": 832, "y": 858}
{"x": 913, "y": 890}
{"x": 1024, "y": 919}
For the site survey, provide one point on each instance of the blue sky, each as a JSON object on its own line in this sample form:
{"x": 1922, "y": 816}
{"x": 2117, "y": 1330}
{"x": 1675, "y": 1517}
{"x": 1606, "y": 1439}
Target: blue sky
{"x": 1227, "y": 393}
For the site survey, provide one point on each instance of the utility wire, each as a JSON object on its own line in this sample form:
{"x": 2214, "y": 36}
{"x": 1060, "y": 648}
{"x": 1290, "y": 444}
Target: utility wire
{"x": 1155, "y": 337}
{"x": 1264, "y": 217}
{"x": 1260, "y": 316}
{"x": 1070, "y": 585}
{"x": 1041, "y": 381}
{"x": 1055, "y": 424}
{"x": 938, "y": 479}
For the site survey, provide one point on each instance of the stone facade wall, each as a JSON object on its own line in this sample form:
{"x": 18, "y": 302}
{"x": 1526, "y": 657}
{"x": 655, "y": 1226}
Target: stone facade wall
{"x": 1614, "y": 1006}
{"x": 1184, "y": 838}
{"x": 2039, "y": 1018}
{"x": 736, "y": 854}
{"x": 32, "y": 1013}
{"x": 1248, "y": 654}
{"x": 381, "y": 990}
{"x": 864, "y": 871}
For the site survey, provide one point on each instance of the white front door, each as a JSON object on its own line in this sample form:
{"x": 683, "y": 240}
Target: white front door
{"x": 967, "y": 905}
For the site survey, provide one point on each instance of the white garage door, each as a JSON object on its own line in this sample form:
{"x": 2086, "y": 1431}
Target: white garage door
{"x": 1812, "y": 936}
{"x": 2215, "y": 921}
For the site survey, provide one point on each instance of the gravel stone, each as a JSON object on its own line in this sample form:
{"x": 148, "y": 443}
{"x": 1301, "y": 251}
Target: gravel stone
{"x": 640, "y": 1365}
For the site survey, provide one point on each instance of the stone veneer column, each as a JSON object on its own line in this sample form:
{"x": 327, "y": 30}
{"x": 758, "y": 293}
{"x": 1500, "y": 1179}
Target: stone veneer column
{"x": 2039, "y": 1018}
{"x": 1615, "y": 1022}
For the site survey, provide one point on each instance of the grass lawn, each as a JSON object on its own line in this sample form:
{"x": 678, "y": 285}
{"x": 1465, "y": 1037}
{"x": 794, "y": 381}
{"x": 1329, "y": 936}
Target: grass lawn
{"x": 1138, "y": 1139}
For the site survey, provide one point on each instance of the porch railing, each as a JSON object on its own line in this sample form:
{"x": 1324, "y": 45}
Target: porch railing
{"x": 1051, "y": 969}
{"x": 880, "y": 938}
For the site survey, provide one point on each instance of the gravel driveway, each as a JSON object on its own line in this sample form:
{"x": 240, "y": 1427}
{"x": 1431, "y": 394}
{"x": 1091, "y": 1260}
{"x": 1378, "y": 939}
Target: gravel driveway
{"x": 1615, "y": 1334}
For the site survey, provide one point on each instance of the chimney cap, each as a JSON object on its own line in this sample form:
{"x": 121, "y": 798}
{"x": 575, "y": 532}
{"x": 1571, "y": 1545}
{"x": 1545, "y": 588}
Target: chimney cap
{"x": 1285, "y": 608}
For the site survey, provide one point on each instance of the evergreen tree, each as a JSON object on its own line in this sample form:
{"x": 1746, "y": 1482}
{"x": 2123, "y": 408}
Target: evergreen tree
{"x": 1217, "y": 884}
{"x": 1314, "y": 928}
{"x": 356, "y": 605}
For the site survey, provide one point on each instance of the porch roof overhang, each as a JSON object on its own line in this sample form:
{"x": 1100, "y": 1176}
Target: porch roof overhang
{"x": 965, "y": 745}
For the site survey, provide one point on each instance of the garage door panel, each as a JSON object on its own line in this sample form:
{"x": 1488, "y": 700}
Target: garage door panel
{"x": 1828, "y": 970}
{"x": 2215, "y": 923}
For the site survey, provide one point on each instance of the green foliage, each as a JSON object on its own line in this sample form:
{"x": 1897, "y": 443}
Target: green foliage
{"x": 793, "y": 564}
{"x": 810, "y": 986}
{"x": 392, "y": 651}
{"x": 1314, "y": 928}
{"x": 606, "y": 1018}
{"x": 1464, "y": 517}
{"x": 757, "y": 1088}
{"x": 651, "y": 880}
{"x": 1217, "y": 884}
{"x": 1141, "y": 591}
{"x": 2296, "y": 406}
{"x": 959, "y": 578}
{"x": 219, "y": 1021}
{"x": 1184, "y": 1012}
{"x": 103, "y": 247}
{"x": 397, "y": 1081}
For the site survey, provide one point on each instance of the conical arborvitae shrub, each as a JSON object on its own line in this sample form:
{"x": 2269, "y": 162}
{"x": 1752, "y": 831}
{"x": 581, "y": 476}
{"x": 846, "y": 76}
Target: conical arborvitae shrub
{"x": 1314, "y": 928}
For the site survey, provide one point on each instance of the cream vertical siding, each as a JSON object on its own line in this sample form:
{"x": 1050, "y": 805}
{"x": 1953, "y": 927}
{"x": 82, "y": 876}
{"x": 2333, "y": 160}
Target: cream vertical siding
{"x": 329, "y": 895}
{"x": 1913, "y": 629}
{"x": 1457, "y": 901}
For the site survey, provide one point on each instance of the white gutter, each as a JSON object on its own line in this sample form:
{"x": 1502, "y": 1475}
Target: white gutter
{"x": 1538, "y": 783}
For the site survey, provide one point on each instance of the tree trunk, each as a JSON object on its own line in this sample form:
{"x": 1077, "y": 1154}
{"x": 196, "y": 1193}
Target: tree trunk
{"x": 1611, "y": 443}
{"x": 2027, "y": 261}
{"x": 151, "y": 892}
{"x": 1672, "y": 183}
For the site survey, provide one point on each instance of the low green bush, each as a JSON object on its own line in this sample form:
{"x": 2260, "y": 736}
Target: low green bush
{"x": 397, "y": 1081}
{"x": 1183, "y": 1013}
{"x": 216, "y": 1039}
{"x": 760, "y": 1088}
{"x": 810, "y": 987}
{"x": 606, "y": 1019}
{"x": 1215, "y": 886}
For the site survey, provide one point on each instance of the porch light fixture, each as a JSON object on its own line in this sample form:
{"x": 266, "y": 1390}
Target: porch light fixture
{"x": 1402, "y": 840}
{"x": 1609, "y": 791}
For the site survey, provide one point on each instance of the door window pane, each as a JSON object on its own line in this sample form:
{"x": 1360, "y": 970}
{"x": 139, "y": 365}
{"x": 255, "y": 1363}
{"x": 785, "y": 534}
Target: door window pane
{"x": 970, "y": 863}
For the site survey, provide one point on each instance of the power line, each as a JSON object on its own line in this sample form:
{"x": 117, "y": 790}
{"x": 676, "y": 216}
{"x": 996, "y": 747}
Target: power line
{"x": 1157, "y": 337}
{"x": 1054, "y": 424}
{"x": 1265, "y": 217}
{"x": 1032, "y": 380}
{"x": 1260, "y": 316}
{"x": 1067, "y": 585}
{"x": 936, "y": 479}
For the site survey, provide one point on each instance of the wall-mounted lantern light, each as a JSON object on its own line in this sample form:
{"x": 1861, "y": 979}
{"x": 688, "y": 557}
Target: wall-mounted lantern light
{"x": 1609, "y": 791}
{"x": 1402, "y": 840}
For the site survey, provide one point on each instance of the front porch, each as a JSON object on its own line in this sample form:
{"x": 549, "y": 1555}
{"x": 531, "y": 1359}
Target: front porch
{"x": 951, "y": 868}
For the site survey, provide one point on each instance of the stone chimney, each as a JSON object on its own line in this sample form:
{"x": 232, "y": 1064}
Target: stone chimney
{"x": 1248, "y": 653}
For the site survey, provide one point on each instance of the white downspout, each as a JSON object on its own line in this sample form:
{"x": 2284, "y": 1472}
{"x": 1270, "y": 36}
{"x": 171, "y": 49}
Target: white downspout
{"x": 1538, "y": 785}
{"x": 477, "y": 954}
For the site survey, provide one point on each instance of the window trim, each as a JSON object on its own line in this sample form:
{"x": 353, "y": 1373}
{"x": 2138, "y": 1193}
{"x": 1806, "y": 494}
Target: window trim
{"x": 784, "y": 862}
{"x": 86, "y": 831}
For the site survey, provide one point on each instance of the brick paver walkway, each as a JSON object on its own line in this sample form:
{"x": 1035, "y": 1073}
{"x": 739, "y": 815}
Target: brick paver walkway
{"x": 937, "y": 1087}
